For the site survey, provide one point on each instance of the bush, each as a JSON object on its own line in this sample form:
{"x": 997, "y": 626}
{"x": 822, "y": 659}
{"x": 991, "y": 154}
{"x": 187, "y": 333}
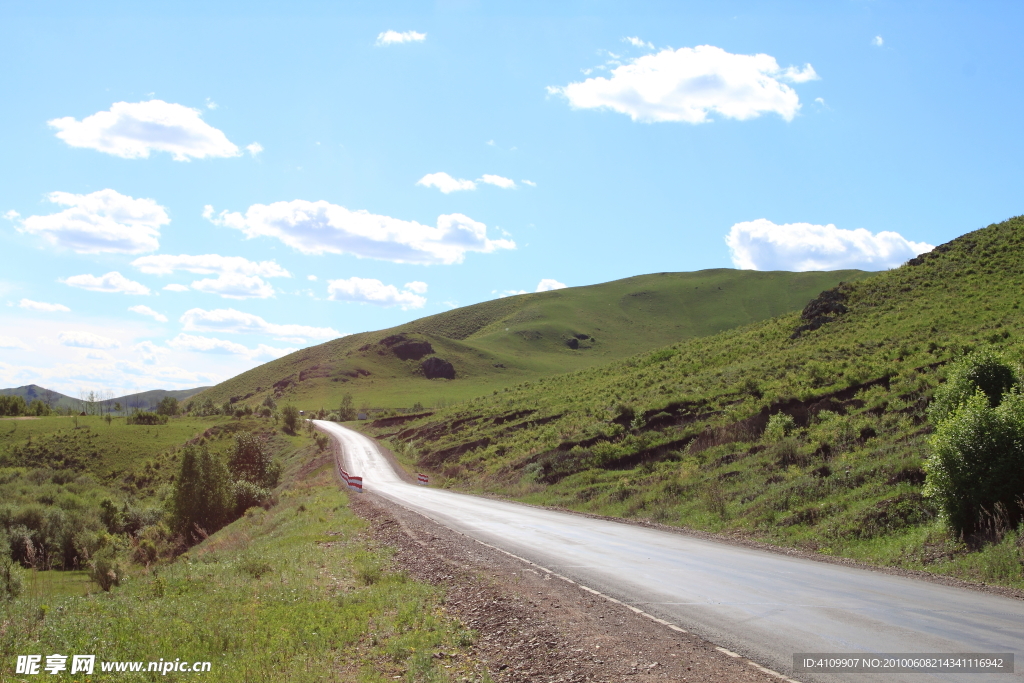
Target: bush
{"x": 251, "y": 461}
{"x": 11, "y": 579}
{"x": 143, "y": 417}
{"x": 106, "y": 568}
{"x": 780, "y": 425}
{"x": 290, "y": 415}
{"x": 982, "y": 370}
{"x": 168, "y": 406}
{"x": 248, "y": 495}
{"x": 977, "y": 466}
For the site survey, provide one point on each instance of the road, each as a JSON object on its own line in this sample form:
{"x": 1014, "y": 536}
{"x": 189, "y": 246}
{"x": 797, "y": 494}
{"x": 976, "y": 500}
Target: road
{"x": 764, "y": 606}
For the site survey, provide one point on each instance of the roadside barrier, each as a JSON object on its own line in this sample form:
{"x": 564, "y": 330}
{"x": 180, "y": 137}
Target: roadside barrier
{"x": 353, "y": 482}
{"x": 422, "y": 480}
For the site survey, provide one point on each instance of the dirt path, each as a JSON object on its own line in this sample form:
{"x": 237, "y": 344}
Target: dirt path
{"x": 532, "y": 626}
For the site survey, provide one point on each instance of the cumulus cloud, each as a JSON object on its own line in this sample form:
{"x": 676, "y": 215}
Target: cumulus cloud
{"x": 416, "y": 286}
{"x": 235, "y": 286}
{"x": 311, "y": 278}
{"x": 529, "y": 182}
{"x": 45, "y": 307}
{"x": 689, "y": 84}
{"x": 175, "y": 287}
{"x": 146, "y": 310}
{"x": 207, "y": 264}
{"x": 636, "y": 42}
{"x": 189, "y": 342}
{"x": 763, "y": 245}
{"x": 877, "y": 41}
{"x": 321, "y": 227}
{"x": 104, "y": 221}
{"x": 445, "y": 182}
{"x": 230, "y": 320}
{"x": 149, "y": 351}
{"x": 87, "y": 340}
{"x": 13, "y": 343}
{"x": 254, "y": 148}
{"x": 393, "y": 37}
{"x": 112, "y": 282}
{"x": 368, "y": 291}
{"x": 497, "y": 180}
{"x": 131, "y": 130}
{"x": 547, "y": 284}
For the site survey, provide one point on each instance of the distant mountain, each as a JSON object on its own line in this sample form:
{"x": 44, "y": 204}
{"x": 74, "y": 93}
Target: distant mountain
{"x": 145, "y": 400}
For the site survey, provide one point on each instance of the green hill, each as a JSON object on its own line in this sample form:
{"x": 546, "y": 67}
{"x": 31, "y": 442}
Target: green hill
{"x": 146, "y": 400}
{"x": 505, "y": 341}
{"x": 679, "y": 434}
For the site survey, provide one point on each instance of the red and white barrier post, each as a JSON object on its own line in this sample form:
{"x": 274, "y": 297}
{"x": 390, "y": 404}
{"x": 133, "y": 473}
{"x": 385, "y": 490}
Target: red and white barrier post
{"x": 422, "y": 480}
{"x": 353, "y": 482}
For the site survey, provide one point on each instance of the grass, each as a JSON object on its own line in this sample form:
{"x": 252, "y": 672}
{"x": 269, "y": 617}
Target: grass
{"x": 502, "y": 342}
{"x": 295, "y": 593}
{"x": 677, "y": 434}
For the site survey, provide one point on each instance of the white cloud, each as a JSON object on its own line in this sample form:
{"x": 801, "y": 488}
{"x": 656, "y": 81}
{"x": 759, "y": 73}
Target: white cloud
{"x": 45, "y": 307}
{"x": 877, "y": 41}
{"x": 12, "y": 215}
{"x": 175, "y": 287}
{"x": 230, "y": 320}
{"x": 528, "y": 182}
{"x": 235, "y": 286}
{"x": 146, "y": 310}
{"x": 189, "y": 342}
{"x": 104, "y": 221}
{"x": 13, "y": 343}
{"x": 510, "y": 292}
{"x": 210, "y": 104}
{"x": 369, "y": 291}
{"x": 547, "y": 284}
{"x": 445, "y": 182}
{"x": 254, "y": 148}
{"x": 207, "y": 264}
{"x": 636, "y": 42}
{"x": 321, "y": 227}
{"x": 112, "y": 282}
{"x": 132, "y": 130}
{"x": 503, "y": 183}
{"x": 87, "y": 340}
{"x": 149, "y": 351}
{"x": 416, "y": 286}
{"x": 688, "y": 84}
{"x": 311, "y": 278}
{"x": 393, "y": 37}
{"x": 763, "y": 245}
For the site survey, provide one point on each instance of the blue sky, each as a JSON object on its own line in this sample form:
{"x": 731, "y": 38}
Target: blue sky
{"x": 413, "y": 157}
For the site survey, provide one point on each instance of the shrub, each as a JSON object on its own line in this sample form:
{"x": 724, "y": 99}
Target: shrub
{"x": 248, "y": 495}
{"x": 780, "y": 425}
{"x": 977, "y": 465}
{"x": 251, "y": 461}
{"x": 290, "y": 415}
{"x": 143, "y": 417}
{"x": 981, "y": 370}
{"x": 11, "y": 583}
{"x": 106, "y": 568}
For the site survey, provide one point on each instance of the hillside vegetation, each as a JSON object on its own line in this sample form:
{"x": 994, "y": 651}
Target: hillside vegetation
{"x": 808, "y": 429}
{"x": 502, "y": 342}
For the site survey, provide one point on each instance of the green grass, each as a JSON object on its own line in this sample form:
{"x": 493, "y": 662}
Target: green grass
{"x": 499, "y": 343}
{"x": 294, "y": 593}
{"x": 677, "y": 434}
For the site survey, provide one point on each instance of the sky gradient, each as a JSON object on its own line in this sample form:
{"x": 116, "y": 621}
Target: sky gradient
{"x": 191, "y": 189}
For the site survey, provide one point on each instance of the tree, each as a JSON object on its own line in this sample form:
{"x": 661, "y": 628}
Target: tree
{"x": 983, "y": 370}
{"x": 203, "y": 494}
{"x": 290, "y": 415}
{"x": 346, "y": 412}
{"x": 251, "y": 461}
{"x": 117, "y": 407}
{"x": 168, "y": 406}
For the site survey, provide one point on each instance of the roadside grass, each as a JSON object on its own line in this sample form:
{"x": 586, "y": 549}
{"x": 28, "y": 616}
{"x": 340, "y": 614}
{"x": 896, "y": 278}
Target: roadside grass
{"x": 293, "y": 593}
{"x": 679, "y": 435}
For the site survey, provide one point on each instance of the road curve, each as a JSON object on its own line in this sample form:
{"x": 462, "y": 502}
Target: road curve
{"x": 764, "y": 606}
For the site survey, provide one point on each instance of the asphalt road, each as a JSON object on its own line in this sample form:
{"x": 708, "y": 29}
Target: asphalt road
{"x": 764, "y": 606}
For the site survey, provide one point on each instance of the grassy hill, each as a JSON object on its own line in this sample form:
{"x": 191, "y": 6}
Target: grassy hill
{"x": 502, "y": 342}
{"x": 678, "y": 434}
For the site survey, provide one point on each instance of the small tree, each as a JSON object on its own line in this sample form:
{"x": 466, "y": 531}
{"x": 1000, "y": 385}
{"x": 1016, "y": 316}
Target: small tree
{"x": 203, "y": 494}
{"x": 168, "y": 406}
{"x": 983, "y": 370}
{"x": 347, "y": 411}
{"x": 251, "y": 461}
{"x": 290, "y": 416}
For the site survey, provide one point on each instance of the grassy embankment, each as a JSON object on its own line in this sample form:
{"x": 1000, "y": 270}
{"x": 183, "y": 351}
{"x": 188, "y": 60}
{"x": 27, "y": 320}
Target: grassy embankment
{"x": 502, "y": 342}
{"x": 678, "y": 434}
{"x": 293, "y": 593}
